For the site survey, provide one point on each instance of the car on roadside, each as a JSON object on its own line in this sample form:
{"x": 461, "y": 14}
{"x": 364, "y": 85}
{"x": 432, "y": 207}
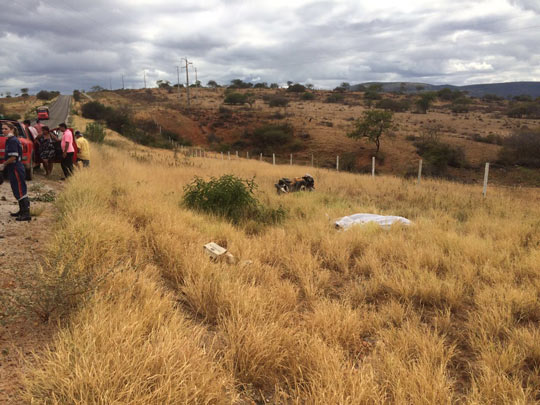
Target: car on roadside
{"x": 28, "y": 158}
{"x": 42, "y": 113}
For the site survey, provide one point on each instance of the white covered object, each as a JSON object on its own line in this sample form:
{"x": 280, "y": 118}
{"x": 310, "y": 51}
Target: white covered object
{"x": 383, "y": 220}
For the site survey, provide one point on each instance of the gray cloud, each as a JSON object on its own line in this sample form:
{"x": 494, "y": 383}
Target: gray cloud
{"x": 71, "y": 44}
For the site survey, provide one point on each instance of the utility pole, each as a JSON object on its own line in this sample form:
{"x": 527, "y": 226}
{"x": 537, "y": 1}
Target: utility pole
{"x": 123, "y": 82}
{"x": 144, "y": 72}
{"x": 187, "y": 78}
{"x": 110, "y": 83}
{"x": 196, "y": 82}
{"x": 178, "y": 83}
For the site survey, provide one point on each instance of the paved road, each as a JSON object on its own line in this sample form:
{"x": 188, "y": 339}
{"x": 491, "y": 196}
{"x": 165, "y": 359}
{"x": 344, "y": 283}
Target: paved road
{"x": 58, "y": 112}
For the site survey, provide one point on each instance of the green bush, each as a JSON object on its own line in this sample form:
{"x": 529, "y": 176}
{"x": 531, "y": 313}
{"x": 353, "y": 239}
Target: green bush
{"x": 95, "y": 132}
{"x": 272, "y": 136}
{"x": 235, "y": 98}
{"x": 94, "y": 110}
{"x": 278, "y": 101}
{"x": 524, "y": 110}
{"x": 335, "y": 98}
{"x": 393, "y": 105}
{"x": 439, "y": 155}
{"x": 46, "y": 95}
{"x": 522, "y": 148}
{"x": 297, "y": 88}
{"x": 490, "y": 138}
{"x": 76, "y": 95}
{"x": 229, "y": 197}
{"x": 308, "y": 96}
{"x": 12, "y": 116}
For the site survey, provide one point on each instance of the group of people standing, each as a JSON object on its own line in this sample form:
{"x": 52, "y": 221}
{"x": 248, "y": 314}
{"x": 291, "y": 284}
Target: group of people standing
{"x": 45, "y": 140}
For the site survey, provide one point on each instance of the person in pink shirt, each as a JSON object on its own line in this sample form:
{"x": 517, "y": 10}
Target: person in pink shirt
{"x": 38, "y": 126}
{"x": 68, "y": 150}
{"x": 31, "y": 129}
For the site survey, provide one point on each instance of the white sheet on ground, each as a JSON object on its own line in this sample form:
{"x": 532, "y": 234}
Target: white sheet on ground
{"x": 383, "y": 220}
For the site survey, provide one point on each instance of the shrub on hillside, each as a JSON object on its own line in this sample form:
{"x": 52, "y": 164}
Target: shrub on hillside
{"x": 277, "y": 101}
{"x": 438, "y": 155}
{"x": 522, "y": 148}
{"x": 12, "y": 116}
{"x": 118, "y": 118}
{"x": 46, "y": 95}
{"x": 95, "y": 132}
{"x": 235, "y": 98}
{"x": 308, "y": 96}
{"x": 297, "y": 88}
{"x": 76, "y": 95}
{"x": 393, "y": 105}
{"x": 335, "y": 98}
{"x": 460, "y": 105}
{"x": 229, "y": 197}
{"x": 490, "y": 138}
{"x": 270, "y": 137}
{"x": 94, "y": 110}
{"x": 524, "y": 110}
{"x": 449, "y": 94}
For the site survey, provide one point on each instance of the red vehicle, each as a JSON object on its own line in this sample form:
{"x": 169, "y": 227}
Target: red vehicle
{"x": 27, "y": 146}
{"x": 43, "y": 113}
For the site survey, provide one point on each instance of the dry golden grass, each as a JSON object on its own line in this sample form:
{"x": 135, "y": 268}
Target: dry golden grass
{"x": 22, "y": 105}
{"x": 444, "y": 311}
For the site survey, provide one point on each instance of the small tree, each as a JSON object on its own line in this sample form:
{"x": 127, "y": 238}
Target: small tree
{"x": 372, "y": 126}
{"x": 95, "y": 132}
{"x": 213, "y": 84}
{"x": 297, "y": 88}
{"x": 43, "y": 95}
{"x": 24, "y": 92}
{"x": 164, "y": 84}
{"x": 425, "y": 101}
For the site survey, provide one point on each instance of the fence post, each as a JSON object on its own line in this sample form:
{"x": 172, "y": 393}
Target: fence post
{"x": 312, "y": 160}
{"x": 337, "y": 163}
{"x": 247, "y": 155}
{"x": 486, "y": 173}
{"x": 221, "y": 155}
{"x": 274, "y": 159}
{"x": 229, "y": 155}
{"x": 291, "y": 159}
{"x": 373, "y": 166}
{"x": 419, "y": 171}
{"x": 237, "y": 154}
{"x": 260, "y": 157}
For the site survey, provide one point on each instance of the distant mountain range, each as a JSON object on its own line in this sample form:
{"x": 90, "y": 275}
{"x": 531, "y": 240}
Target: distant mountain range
{"x": 506, "y": 90}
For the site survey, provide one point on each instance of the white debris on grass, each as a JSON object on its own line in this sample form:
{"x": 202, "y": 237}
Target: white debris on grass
{"x": 385, "y": 221}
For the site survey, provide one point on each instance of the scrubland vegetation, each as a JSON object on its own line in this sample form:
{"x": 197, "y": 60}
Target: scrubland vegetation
{"x": 444, "y": 311}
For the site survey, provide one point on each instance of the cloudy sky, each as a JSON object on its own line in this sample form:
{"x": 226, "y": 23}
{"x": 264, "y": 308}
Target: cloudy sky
{"x": 71, "y": 44}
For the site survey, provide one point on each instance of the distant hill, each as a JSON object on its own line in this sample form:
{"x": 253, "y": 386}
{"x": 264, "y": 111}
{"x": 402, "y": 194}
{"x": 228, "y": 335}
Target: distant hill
{"x": 506, "y": 90}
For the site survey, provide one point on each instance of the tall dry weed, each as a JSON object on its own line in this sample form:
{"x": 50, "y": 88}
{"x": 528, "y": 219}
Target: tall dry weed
{"x": 444, "y": 311}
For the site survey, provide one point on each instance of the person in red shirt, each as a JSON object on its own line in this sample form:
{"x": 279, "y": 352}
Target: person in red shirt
{"x": 68, "y": 150}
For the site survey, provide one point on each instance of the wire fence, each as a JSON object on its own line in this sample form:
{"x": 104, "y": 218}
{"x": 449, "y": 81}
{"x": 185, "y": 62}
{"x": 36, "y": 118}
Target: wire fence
{"x": 291, "y": 160}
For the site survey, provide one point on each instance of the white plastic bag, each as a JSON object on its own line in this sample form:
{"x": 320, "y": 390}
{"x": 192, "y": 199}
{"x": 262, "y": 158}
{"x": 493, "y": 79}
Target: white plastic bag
{"x": 383, "y": 220}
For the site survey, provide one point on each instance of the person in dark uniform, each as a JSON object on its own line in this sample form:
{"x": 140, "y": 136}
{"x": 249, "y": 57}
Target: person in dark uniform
{"x": 15, "y": 171}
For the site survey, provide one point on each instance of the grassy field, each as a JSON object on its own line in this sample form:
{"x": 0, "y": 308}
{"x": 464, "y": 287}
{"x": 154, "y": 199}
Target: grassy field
{"x": 444, "y": 311}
